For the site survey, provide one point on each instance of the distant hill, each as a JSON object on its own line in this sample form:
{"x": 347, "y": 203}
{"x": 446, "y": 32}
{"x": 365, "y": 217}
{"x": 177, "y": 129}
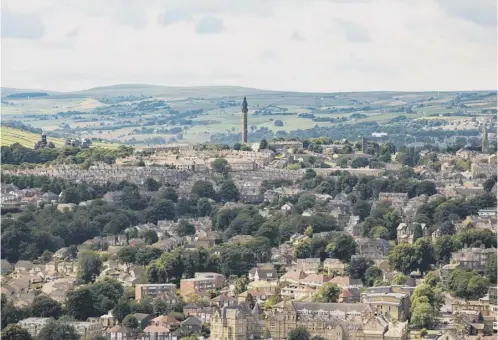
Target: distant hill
{"x": 146, "y": 90}
{"x": 26, "y": 95}
{"x": 171, "y": 91}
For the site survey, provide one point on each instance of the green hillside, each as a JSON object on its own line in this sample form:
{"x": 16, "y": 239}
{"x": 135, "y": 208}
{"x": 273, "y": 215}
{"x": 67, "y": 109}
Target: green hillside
{"x": 9, "y": 136}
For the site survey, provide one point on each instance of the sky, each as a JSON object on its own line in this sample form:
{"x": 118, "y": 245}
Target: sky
{"x": 291, "y": 45}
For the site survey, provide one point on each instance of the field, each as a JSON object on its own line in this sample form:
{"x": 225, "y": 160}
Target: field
{"x": 143, "y": 115}
{"x": 9, "y": 136}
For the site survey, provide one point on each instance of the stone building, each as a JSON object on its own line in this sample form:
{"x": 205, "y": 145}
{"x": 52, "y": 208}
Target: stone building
{"x": 405, "y": 232}
{"x": 309, "y": 266}
{"x": 330, "y": 320}
{"x": 473, "y": 258}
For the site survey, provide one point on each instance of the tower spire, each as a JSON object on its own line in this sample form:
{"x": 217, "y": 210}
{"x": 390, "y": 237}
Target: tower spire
{"x": 244, "y": 120}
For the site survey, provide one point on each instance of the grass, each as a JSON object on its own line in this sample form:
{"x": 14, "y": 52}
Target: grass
{"x": 9, "y": 136}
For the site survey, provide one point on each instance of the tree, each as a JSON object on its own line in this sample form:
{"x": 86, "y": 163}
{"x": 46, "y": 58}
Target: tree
{"x": 263, "y": 144}
{"x": 228, "y": 191}
{"x": 490, "y": 270}
{"x": 185, "y": 228}
{"x": 161, "y": 209}
{"x": 168, "y": 193}
{"x": 443, "y": 247}
{"x": 400, "y": 279}
{"x": 204, "y": 207}
{"x": 203, "y": 189}
{"x": 422, "y": 314}
{"x": 58, "y": 330}
{"x": 329, "y": 292}
{"x": 266, "y": 334}
{"x": 159, "y": 306}
{"x": 309, "y": 231}
{"x": 342, "y": 247}
{"x": 401, "y": 258}
{"x": 361, "y": 208}
{"x": 145, "y": 255}
{"x": 122, "y": 309}
{"x": 359, "y": 162}
{"x": 250, "y": 300}
{"x": 489, "y": 184}
{"x": 417, "y": 232}
{"x": 89, "y": 266}
{"x": 151, "y": 184}
{"x": 80, "y": 303}
{"x": 358, "y": 266}
{"x": 45, "y": 307}
{"x": 220, "y": 165}
{"x": 130, "y": 321}
{"x": 372, "y": 274}
{"x": 299, "y": 333}
{"x": 46, "y": 256}
{"x": 150, "y": 236}
{"x": 127, "y": 255}
{"x": 15, "y": 332}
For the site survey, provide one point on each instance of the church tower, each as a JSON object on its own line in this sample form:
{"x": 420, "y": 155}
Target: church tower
{"x": 244, "y": 121}
{"x": 485, "y": 143}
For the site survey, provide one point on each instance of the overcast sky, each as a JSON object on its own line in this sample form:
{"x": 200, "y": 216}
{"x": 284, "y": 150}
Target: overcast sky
{"x": 302, "y": 45}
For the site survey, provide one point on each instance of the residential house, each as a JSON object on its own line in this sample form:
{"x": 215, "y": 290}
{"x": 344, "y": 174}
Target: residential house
{"x": 34, "y": 325}
{"x": 260, "y": 294}
{"x": 191, "y": 324}
{"x": 156, "y": 332}
{"x": 166, "y": 321}
{"x": 294, "y": 276}
{"x": 263, "y": 271}
{"x": 350, "y": 295}
{"x": 49, "y": 197}
{"x": 143, "y": 319}
{"x": 405, "y": 232}
{"x": 24, "y": 266}
{"x": 333, "y": 267}
{"x": 287, "y": 208}
{"x": 314, "y": 280}
{"x": 375, "y": 249}
{"x": 297, "y": 292}
{"x": 473, "y": 258}
{"x": 346, "y": 282}
{"x": 120, "y": 333}
{"x": 309, "y": 265}
{"x": 223, "y": 300}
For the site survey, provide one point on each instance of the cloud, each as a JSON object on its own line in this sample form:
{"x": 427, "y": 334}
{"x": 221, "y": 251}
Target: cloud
{"x": 354, "y": 33}
{"x": 170, "y": 17}
{"x": 298, "y": 37}
{"x": 375, "y": 44}
{"x": 73, "y": 33}
{"x": 209, "y": 25}
{"x": 480, "y": 12}
{"x": 23, "y": 26}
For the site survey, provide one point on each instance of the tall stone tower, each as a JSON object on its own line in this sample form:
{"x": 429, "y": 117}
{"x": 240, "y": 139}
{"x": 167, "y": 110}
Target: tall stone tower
{"x": 485, "y": 142}
{"x": 244, "y": 121}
